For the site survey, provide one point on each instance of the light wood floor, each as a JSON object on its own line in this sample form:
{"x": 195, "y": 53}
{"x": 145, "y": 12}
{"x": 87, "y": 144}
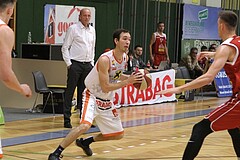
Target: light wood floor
{"x": 152, "y": 132}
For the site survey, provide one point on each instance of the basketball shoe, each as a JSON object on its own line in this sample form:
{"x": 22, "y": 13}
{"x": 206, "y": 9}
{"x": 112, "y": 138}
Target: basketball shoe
{"x": 87, "y": 150}
{"x": 53, "y": 156}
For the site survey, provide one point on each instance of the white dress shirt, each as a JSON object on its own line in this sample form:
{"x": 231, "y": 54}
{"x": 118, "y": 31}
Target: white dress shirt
{"x": 79, "y": 44}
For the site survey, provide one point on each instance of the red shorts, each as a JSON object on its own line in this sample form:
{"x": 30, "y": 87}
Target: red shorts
{"x": 226, "y": 116}
{"x": 158, "y": 58}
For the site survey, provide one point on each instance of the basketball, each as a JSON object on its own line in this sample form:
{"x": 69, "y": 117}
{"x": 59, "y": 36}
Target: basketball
{"x": 147, "y": 81}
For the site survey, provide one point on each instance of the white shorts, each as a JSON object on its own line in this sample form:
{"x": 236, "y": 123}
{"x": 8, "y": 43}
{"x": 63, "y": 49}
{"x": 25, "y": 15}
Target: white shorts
{"x": 104, "y": 113}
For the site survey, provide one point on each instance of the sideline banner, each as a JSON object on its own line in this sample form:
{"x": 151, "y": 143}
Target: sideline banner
{"x": 187, "y": 44}
{"x": 200, "y": 22}
{"x": 57, "y": 19}
{"x": 223, "y": 85}
{"x": 160, "y": 81}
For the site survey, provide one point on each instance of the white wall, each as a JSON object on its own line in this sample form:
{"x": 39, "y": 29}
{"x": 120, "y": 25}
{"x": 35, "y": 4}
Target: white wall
{"x": 195, "y": 2}
{"x": 55, "y": 73}
{"x": 211, "y": 3}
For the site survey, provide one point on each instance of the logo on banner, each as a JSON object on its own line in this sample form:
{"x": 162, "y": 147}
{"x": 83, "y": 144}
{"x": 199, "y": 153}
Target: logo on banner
{"x": 58, "y": 18}
{"x": 203, "y": 14}
{"x": 50, "y": 29}
{"x": 223, "y": 85}
{"x": 129, "y": 95}
{"x": 63, "y": 26}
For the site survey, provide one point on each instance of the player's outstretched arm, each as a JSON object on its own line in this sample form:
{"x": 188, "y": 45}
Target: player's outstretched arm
{"x": 207, "y": 55}
{"x": 220, "y": 58}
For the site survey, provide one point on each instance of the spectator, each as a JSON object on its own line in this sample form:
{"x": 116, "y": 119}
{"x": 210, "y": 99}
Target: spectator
{"x": 137, "y": 60}
{"x": 158, "y": 46}
{"x": 212, "y": 49}
{"x": 78, "y": 52}
{"x": 213, "y": 46}
{"x": 191, "y": 62}
{"x": 204, "y": 48}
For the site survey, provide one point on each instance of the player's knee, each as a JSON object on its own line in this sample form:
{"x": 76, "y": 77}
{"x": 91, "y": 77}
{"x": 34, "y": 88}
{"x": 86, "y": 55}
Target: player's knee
{"x": 83, "y": 127}
{"x": 117, "y": 137}
{"x": 201, "y": 129}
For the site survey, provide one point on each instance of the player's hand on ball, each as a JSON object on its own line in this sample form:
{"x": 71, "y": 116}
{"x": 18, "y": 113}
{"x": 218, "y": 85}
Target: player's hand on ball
{"x": 136, "y": 77}
{"x": 145, "y": 82}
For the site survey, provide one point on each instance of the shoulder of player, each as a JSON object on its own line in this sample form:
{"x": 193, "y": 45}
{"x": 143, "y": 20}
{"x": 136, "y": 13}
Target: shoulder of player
{"x": 5, "y": 31}
{"x": 225, "y": 50}
{"x": 103, "y": 63}
{"x": 103, "y": 59}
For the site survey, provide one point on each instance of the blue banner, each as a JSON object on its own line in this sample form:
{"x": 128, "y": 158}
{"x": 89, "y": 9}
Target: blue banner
{"x": 223, "y": 85}
{"x": 200, "y": 22}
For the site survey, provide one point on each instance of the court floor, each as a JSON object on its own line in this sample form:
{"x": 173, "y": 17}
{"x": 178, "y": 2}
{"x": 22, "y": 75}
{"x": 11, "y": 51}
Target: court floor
{"x": 152, "y": 132}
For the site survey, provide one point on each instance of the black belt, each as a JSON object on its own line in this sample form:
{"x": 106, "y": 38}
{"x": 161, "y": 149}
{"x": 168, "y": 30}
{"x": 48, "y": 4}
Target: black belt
{"x": 80, "y": 62}
{"x": 84, "y": 62}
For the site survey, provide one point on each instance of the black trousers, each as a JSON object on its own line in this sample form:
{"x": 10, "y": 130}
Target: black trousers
{"x": 76, "y": 75}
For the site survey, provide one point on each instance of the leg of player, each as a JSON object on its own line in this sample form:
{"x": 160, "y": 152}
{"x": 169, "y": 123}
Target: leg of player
{"x": 199, "y": 132}
{"x": 85, "y": 143}
{"x": 71, "y": 137}
{"x": 235, "y": 135}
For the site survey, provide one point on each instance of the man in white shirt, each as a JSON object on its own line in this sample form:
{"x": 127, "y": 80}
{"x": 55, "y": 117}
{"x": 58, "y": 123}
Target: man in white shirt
{"x": 78, "y": 52}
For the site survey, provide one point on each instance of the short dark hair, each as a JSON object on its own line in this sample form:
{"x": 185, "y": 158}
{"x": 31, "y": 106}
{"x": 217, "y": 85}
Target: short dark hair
{"x": 5, "y": 3}
{"x": 160, "y": 23}
{"x": 137, "y": 46}
{"x": 204, "y": 48}
{"x": 213, "y": 44}
{"x": 211, "y": 48}
{"x": 229, "y": 18}
{"x": 193, "y": 49}
{"x": 117, "y": 32}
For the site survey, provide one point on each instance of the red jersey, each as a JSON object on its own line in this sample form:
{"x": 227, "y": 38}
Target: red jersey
{"x": 160, "y": 43}
{"x": 233, "y": 68}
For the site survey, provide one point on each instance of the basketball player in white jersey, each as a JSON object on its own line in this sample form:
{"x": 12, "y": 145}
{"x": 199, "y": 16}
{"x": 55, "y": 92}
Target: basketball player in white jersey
{"x": 98, "y": 96}
{"x": 7, "y": 75}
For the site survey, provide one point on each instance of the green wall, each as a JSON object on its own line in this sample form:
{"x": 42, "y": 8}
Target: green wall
{"x": 30, "y": 18}
{"x": 30, "y": 14}
{"x": 151, "y": 20}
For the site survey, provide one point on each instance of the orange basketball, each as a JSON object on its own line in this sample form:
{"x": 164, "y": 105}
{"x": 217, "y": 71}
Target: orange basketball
{"x": 147, "y": 81}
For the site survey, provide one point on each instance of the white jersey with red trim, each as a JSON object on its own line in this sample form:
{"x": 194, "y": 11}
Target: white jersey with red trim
{"x": 116, "y": 69}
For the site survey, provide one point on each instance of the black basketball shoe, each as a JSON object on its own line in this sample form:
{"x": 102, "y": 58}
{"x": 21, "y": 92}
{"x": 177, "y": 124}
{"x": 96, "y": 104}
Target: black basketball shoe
{"x": 53, "y": 156}
{"x": 87, "y": 150}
